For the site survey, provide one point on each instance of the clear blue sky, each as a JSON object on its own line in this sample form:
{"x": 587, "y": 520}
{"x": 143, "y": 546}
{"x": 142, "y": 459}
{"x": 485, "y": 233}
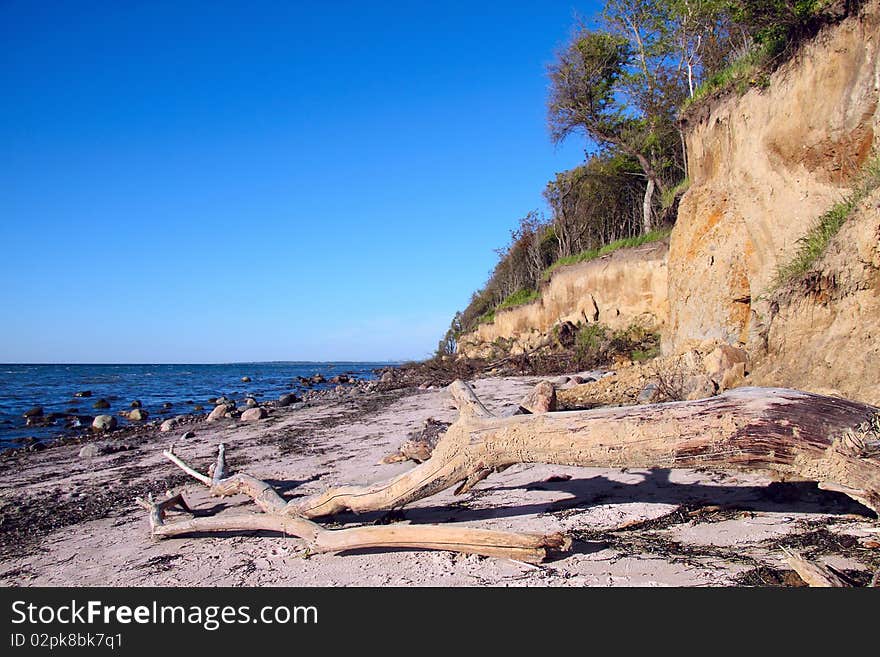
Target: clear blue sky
{"x": 235, "y": 181}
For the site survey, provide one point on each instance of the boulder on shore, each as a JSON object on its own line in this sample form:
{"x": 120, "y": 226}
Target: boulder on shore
{"x": 218, "y": 413}
{"x": 288, "y": 399}
{"x": 92, "y": 450}
{"x": 104, "y": 423}
{"x": 253, "y": 414}
{"x": 540, "y": 400}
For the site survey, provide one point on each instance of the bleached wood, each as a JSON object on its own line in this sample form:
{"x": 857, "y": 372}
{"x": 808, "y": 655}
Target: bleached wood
{"x": 277, "y": 516}
{"x": 789, "y": 434}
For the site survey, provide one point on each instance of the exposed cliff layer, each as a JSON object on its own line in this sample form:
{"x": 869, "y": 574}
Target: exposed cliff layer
{"x": 823, "y": 334}
{"x": 625, "y": 287}
{"x": 763, "y": 167}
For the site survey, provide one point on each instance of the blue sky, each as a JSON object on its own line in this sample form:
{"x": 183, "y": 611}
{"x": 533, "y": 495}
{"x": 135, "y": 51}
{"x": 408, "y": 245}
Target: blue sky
{"x": 237, "y": 181}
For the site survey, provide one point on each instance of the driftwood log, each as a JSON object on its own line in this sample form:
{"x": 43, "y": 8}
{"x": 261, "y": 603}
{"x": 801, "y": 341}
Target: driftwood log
{"x": 787, "y": 434}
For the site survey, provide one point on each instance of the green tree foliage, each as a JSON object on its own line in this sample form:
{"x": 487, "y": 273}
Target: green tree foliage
{"x": 595, "y": 203}
{"x": 784, "y": 23}
{"x": 449, "y": 343}
{"x": 621, "y": 85}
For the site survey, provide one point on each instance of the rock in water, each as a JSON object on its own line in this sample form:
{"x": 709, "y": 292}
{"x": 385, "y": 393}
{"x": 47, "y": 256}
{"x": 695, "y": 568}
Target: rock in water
{"x": 83, "y": 393}
{"x": 245, "y": 379}
{"x": 36, "y": 411}
{"x": 136, "y": 404}
{"x": 101, "y": 404}
{"x": 104, "y": 423}
{"x": 540, "y": 400}
{"x": 253, "y": 414}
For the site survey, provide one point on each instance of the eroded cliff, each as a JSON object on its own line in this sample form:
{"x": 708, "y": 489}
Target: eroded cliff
{"x": 622, "y": 288}
{"x": 764, "y": 167}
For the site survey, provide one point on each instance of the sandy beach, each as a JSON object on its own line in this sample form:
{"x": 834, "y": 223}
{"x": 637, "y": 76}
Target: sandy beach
{"x": 72, "y": 520}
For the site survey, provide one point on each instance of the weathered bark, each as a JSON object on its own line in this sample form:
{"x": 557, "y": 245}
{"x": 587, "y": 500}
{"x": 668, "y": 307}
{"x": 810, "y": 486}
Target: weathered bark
{"x": 789, "y": 434}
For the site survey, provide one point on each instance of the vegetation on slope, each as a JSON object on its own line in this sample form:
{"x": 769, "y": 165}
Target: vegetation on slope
{"x": 623, "y": 83}
{"x": 592, "y": 254}
{"x": 812, "y": 245}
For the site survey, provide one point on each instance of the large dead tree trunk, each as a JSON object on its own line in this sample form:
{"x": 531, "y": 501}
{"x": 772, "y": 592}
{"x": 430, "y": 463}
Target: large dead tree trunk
{"x": 790, "y": 435}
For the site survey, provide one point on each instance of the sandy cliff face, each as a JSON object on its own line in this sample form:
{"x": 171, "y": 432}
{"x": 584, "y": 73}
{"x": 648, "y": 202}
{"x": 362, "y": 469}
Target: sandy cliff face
{"x": 616, "y": 290}
{"x": 763, "y": 167}
{"x": 823, "y": 334}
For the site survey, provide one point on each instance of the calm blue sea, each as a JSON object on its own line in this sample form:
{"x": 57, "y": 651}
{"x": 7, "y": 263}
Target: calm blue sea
{"x": 53, "y": 387}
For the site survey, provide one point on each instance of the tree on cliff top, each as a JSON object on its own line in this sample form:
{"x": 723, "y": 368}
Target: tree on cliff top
{"x": 620, "y": 87}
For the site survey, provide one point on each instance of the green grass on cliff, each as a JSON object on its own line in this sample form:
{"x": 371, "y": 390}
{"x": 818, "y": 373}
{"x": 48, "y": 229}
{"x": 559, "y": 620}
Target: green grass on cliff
{"x": 812, "y": 246}
{"x": 592, "y": 254}
{"x": 519, "y": 298}
{"x": 524, "y": 296}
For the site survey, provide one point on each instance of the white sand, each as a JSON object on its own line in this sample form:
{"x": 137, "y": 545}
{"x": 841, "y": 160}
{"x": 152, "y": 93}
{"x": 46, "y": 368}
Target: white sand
{"x": 708, "y": 549}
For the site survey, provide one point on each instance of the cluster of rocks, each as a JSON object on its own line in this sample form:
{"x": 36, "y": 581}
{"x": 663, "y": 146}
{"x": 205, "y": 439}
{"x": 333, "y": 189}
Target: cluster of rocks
{"x": 705, "y": 370}
{"x": 138, "y": 418}
{"x": 320, "y": 379}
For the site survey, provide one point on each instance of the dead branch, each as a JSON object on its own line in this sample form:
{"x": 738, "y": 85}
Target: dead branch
{"x": 277, "y": 516}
